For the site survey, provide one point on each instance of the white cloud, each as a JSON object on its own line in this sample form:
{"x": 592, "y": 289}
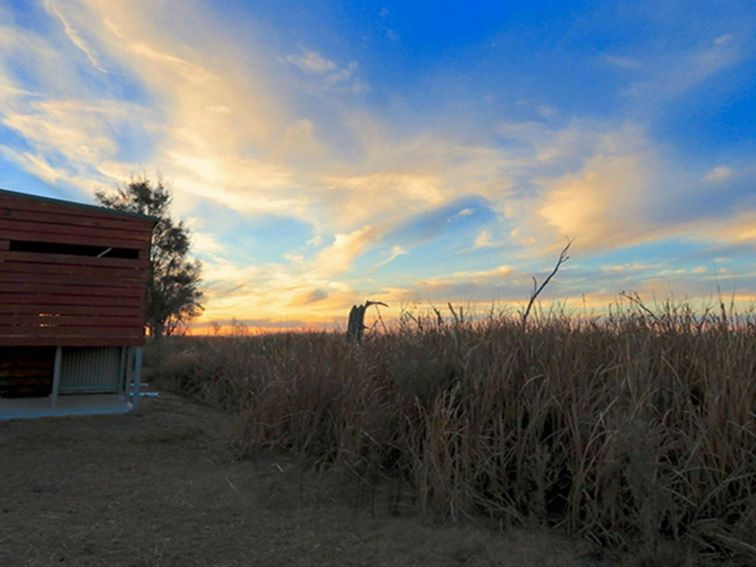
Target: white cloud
{"x": 677, "y": 72}
{"x": 394, "y": 253}
{"x": 605, "y": 203}
{"x": 739, "y": 228}
{"x": 328, "y": 72}
{"x": 382, "y": 196}
{"x": 34, "y": 164}
{"x": 456, "y": 281}
{"x": 337, "y": 258}
{"x": 718, "y": 173}
{"x": 311, "y": 62}
{"x": 481, "y": 274}
{"x": 54, "y": 8}
{"x": 623, "y": 62}
{"x": 483, "y": 239}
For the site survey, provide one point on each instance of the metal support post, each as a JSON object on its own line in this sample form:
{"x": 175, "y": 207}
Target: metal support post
{"x": 56, "y": 377}
{"x": 123, "y": 385}
{"x": 137, "y": 377}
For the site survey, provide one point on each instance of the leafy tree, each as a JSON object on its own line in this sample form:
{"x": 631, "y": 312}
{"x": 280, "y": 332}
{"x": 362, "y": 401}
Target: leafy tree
{"x": 173, "y": 294}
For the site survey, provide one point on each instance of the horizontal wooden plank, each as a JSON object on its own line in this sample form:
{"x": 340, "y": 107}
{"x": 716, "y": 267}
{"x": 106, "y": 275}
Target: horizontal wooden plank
{"x": 36, "y": 299}
{"x": 4, "y": 244}
{"x": 69, "y": 321}
{"x": 84, "y": 341}
{"x": 34, "y": 309}
{"x": 139, "y": 235}
{"x": 21, "y": 212}
{"x": 71, "y": 331}
{"x": 22, "y": 367}
{"x": 30, "y": 204}
{"x": 10, "y": 363}
{"x": 24, "y": 394}
{"x": 18, "y": 368}
{"x": 34, "y": 391}
{"x": 64, "y": 259}
{"x": 44, "y": 289}
{"x": 84, "y": 239}
{"x": 14, "y": 365}
{"x": 116, "y": 273}
{"x": 27, "y": 354}
{"x": 7, "y": 382}
{"x": 25, "y": 373}
{"x": 67, "y": 279}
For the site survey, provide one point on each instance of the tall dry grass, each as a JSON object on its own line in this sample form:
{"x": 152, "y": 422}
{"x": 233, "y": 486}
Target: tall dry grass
{"x": 632, "y": 430}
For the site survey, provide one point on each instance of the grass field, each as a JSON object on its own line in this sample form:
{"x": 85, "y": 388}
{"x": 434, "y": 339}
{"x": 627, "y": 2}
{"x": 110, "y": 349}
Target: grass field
{"x": 161, "y": 486}
{"x": 636, "y": 431}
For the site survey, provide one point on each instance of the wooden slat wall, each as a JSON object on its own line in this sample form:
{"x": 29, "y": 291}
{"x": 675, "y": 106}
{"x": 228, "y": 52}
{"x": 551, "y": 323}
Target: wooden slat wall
{"x": 26, "y": 372}
{"x": 20, "y": 207}
{"x": 66, "y": 300}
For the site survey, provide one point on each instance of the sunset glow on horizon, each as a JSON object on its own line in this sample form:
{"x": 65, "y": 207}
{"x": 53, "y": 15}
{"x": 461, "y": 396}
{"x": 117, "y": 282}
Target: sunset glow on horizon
{"x": 414, "y": 153}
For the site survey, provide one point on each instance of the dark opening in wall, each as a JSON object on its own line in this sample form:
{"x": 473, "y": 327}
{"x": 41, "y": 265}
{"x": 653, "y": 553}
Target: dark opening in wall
{"x": 26, "y": 372}
{"x": 72, "y": 249}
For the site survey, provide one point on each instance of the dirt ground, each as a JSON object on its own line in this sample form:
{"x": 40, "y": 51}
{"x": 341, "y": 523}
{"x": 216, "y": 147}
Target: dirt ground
{"x": 162, "y": 486}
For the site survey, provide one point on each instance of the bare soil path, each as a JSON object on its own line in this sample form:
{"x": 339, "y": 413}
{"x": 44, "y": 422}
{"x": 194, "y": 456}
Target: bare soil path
{"x": 162, "y": 486}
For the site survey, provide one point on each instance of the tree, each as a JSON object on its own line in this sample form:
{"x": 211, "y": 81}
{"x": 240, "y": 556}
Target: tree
{"x": 173, "y": 294}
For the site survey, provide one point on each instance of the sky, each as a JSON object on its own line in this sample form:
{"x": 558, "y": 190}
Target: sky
{"x": 418, "y": 153}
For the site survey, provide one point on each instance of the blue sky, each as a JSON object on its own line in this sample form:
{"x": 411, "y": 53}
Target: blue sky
{"x": 329, "y": 152}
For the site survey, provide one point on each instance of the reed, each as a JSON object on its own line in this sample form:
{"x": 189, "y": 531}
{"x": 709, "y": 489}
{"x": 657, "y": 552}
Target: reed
{"x": 634, "y": 429}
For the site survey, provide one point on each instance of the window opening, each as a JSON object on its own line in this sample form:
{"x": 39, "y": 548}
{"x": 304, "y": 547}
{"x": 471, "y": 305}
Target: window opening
{"x": 73, "y": 249}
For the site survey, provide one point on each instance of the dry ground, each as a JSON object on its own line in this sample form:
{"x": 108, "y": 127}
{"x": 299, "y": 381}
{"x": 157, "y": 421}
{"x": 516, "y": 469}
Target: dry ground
{"x": 162, "y": 486}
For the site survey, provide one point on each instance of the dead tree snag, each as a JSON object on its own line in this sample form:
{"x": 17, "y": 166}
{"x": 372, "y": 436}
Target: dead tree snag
{"x": 356, "y": 326}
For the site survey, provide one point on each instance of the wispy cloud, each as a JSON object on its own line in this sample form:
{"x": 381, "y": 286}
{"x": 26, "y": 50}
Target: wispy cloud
{"x": 622, "y": 62}
{"x": 329, "y": 73}
{"x": 240, "y": 128}
{"x": 718, "y": 173}
{"x": 483, "y": 239}
{"x": 676, "y": 72}
{"x": 73, "y": 34}
{"x": 337, "y": 258}
{"x": 311, "y": 62}
{"x": 396, "y": 251}
{"x": 604, "y": 203}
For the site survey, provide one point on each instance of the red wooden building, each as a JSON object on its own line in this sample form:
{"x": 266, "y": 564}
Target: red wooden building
{"x": 72, "y": 306}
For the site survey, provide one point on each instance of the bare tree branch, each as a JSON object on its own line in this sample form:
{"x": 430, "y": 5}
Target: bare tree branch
{"x": 563, "y": 257}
